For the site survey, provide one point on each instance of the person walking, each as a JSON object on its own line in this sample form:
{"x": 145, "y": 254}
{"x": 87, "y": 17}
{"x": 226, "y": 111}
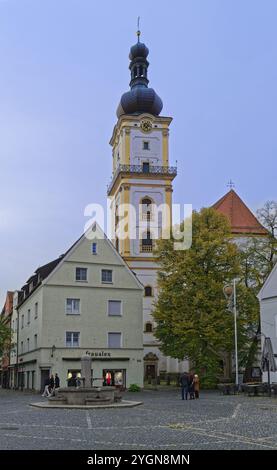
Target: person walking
{"x": 46, "y": 392}
{"x": 52, "y": 384}
{"x": 56, "y": 383}
{"x": 184, "y": 382}
{"x": 196, "y": 385}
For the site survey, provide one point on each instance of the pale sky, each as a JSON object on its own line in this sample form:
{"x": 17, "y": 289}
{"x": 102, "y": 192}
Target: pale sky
{"x": 64, "y": 65}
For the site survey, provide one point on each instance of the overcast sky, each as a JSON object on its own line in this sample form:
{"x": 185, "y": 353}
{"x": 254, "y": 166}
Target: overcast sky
{"x": 64, "y": 65}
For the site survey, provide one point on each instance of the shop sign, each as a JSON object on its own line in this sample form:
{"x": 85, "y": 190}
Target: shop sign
{"x": 98, "y": 353}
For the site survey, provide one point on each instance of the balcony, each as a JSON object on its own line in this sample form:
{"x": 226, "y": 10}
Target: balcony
{"x": 146, "y": 248}
{"x": 141, "y": 170}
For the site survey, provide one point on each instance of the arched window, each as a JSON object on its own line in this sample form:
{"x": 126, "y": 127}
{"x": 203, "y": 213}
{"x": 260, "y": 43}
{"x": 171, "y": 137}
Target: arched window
{"x": 148, "y": 327}
{"x": 148, "y": 291}
{"x": 147, "y": 243}
{"x": 146, "y": 204}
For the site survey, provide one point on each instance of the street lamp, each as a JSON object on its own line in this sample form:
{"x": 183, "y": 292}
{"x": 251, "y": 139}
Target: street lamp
{"x": 53, "y": 349}
{"x": 230, "y": 294}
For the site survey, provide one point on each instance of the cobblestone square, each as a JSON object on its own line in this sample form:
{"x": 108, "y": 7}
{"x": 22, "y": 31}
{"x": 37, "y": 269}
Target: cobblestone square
{"x": 163, "y": 422}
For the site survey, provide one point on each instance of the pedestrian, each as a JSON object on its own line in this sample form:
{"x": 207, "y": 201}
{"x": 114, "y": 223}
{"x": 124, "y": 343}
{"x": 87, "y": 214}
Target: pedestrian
{"x": 52, "y": 384}
{"x": 184, "y": 382}
{"x": 196, "y": 385}
{"x": 46, "y": 392}
{"x": 56, "y": 383}
{"x": 191, "y": 387}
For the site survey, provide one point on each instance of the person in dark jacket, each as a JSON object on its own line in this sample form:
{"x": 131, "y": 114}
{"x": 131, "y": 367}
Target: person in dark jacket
{"x": 52, "y": 384}
{"x": 184, "y": 382}
{"x": 57, "y": 381}
{"x": 191, "y": 387}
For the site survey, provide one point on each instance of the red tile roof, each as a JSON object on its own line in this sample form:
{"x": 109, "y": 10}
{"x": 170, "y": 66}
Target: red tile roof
{"x": 241, "y": 218}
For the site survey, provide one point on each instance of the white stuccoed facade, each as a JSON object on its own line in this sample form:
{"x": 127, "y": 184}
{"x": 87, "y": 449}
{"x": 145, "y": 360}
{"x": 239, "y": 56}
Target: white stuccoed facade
{"x": 40, "y": 321}
{"x": 131, "y": 184}
{"x": 268, "y": 311}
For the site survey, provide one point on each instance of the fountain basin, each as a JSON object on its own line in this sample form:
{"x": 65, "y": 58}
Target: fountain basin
{"x": 86, "y": 396}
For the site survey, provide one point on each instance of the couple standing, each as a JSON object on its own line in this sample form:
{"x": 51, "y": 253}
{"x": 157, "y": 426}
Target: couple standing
{"x": 189, "y": 385}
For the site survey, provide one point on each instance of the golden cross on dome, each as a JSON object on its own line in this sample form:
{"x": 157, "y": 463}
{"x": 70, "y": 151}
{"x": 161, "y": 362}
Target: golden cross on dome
{"x": 230, "y": 184}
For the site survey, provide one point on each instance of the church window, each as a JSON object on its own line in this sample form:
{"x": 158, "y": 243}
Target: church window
{"x": 146, "y": 209}
{"x": 148, "y": 291}
{"x": 147, "y": 243}
{"x": 146, "y": 145}
{"x": 148, "y": 327}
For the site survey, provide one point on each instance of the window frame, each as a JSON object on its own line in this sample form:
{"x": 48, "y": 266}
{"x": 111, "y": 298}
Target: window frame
{"x": 72, "y": 343}
{"x": 72, "y": 299}
{"x": 92, "y": 246}
{"x": 115, "y": 333}
{"x": 148, "y": 323}
{"x": 106, "y": 282}
{"x": 148, "y": 287}
{"x": 121, "y": 308}
{"x": 36, "y": 310}
{"x": 146, "y": 145}
{"x": 83, "y": 269}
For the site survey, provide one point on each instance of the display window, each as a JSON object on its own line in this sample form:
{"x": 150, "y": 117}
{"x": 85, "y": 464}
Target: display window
{"x": 114, "y": 377}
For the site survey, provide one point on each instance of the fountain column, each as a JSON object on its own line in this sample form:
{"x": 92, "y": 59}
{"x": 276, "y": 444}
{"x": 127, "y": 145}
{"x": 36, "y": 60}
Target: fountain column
{"x": 86, "y": 370}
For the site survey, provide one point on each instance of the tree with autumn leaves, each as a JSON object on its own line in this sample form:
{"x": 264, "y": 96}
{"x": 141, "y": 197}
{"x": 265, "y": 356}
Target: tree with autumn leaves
{"x": 191, "y": 315}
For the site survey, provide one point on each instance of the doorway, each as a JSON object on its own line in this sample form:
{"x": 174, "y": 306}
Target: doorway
{"x": 45, "y": 374}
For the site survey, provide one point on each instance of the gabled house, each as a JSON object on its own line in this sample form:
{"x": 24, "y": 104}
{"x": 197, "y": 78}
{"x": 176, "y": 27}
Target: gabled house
{"x": 87, "y": 301}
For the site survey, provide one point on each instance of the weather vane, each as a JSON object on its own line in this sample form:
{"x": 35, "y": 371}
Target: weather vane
{"x": 138, "y": 31}
{"x": 230, "y": 184}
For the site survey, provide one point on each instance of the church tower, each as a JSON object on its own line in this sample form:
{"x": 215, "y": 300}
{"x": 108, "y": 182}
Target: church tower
{"x": 142, "y": 178}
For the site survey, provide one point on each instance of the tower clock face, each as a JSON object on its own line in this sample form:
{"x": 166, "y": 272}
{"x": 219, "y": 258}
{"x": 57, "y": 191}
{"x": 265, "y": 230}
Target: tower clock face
{"x": 146, "y": 125}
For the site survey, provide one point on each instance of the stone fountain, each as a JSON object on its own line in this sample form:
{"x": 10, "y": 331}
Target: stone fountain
{"x": 86, "y": 394}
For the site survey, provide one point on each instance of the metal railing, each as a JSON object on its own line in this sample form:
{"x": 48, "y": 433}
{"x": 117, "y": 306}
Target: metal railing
{"x": 139, "y": 169}
{"x": 146, "y": 248}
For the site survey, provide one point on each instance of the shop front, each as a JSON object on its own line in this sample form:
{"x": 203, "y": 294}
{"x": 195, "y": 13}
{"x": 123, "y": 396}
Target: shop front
{"x": 108, "y": 369}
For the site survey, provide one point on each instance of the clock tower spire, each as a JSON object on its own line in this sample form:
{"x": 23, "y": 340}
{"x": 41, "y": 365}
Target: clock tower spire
{"x": 140, "y": 191}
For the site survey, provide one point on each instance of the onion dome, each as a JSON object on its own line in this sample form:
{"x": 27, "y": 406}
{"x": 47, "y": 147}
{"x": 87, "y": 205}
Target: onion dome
{"x": 139, "y": 99}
